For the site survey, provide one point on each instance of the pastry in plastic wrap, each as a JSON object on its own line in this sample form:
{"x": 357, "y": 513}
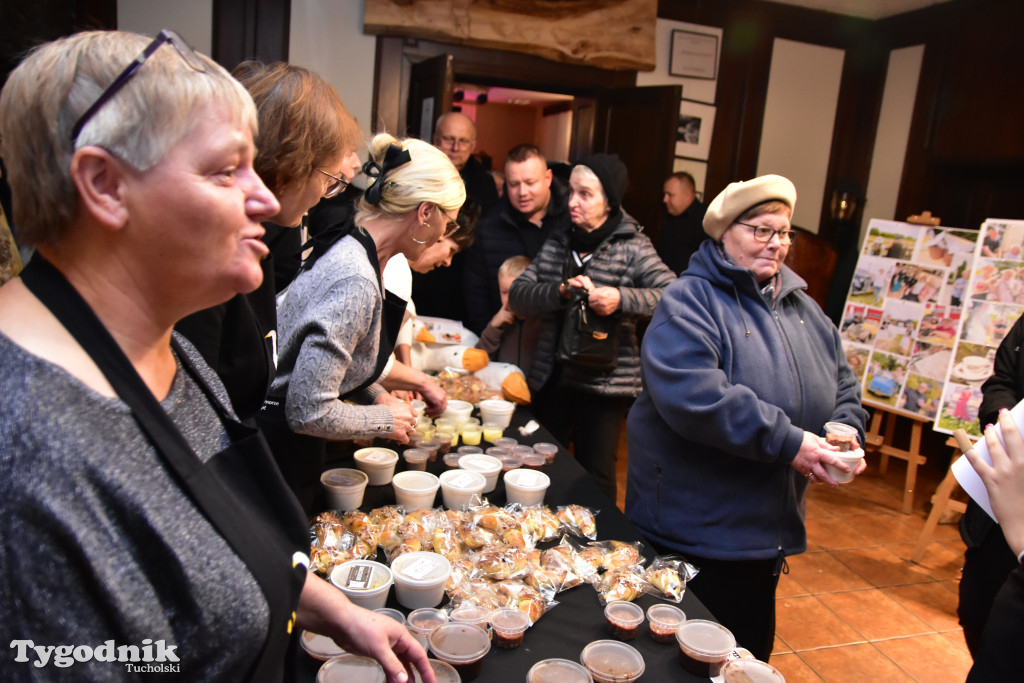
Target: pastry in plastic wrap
{"x": 621, "y": 554}
{"x": 500, "y": 562}
{"x": 526, "y": 598}
{"x": 579, "y": 520}
{"x": 494, "y": 518}
{"x": 624, "y": 583}
{"x": 538, "y": 523}
{"x": 668, "y": 576}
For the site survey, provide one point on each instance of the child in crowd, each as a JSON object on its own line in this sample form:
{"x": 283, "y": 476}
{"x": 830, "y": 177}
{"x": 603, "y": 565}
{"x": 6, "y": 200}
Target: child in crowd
{"x": 508, "y": 338}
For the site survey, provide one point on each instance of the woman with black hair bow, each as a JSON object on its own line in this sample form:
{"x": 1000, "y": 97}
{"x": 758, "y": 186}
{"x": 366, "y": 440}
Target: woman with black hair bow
{"x": 337, "y": 325}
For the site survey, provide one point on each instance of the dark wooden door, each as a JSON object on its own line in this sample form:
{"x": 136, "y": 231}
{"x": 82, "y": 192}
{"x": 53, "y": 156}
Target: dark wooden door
{"x": 430, "y": 94}
{"x": 639, "y": 124}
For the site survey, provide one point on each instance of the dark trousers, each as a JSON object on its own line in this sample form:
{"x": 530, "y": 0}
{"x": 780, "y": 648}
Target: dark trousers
{"x": 591, "y": 423}
{"x": 741, "y": 596}
{"x": 986, "y": 566}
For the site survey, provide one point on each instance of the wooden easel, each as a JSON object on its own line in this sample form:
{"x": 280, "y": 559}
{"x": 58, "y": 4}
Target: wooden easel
{"x": 875, "y": 440}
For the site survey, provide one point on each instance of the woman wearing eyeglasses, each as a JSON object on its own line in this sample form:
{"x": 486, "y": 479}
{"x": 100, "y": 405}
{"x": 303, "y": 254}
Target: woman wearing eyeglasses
{"x": 138, "y": 513}
{"x": 741, "y": 372}
{"x": 337, "y": 324}
{"x": 306, "y": 150}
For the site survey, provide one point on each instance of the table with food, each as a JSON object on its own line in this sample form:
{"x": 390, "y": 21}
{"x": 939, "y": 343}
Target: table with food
{"x": 500, "y": 553}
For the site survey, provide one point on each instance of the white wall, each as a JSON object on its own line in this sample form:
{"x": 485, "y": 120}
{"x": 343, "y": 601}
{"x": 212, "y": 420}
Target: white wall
{"x": 799, "y": 118}
{"x": 192, "y": 19}
{"x": 892, "y": 135}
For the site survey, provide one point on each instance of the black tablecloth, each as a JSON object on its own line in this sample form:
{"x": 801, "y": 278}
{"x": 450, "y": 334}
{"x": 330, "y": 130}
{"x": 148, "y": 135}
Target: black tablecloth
{"x": 578, "y": 618}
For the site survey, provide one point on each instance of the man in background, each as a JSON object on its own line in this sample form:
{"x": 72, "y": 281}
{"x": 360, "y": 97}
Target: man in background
{"x": 437, "y": 293}
{"x": 683, "y": 228}
{"x": 535, "y": 205}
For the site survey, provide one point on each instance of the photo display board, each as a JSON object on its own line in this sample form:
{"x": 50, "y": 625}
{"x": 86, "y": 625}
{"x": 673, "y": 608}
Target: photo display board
{"x": 902, "y": 322}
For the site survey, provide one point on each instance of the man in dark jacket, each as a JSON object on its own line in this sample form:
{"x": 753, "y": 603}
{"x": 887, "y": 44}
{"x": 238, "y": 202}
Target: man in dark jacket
{"x": 682, "y": 231}
{"x": 534, "y": 207}
{"x": 435, "y": 293}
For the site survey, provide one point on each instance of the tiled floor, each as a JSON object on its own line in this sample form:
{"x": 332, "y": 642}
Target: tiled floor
{"x": 854, "y": 607}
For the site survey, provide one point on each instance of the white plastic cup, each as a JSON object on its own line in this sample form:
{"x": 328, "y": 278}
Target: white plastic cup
{"x": 415, "y": 490}
{"x": 378, "y": 463}
{"x": 365, "y": 582}
{"x": 344, "y": 487}
{"x": 486, "y": 465}
{"x": 526, "y": 487}
{"x": 458, "y": 487}
{"x": 851, "y": 459}
{"x": 458, "y": 411}
{"x": 497, "y": 410}
{"x": 420, "y": 578}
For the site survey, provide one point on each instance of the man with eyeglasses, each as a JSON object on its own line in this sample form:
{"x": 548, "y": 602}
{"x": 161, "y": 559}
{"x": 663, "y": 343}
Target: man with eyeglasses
{"x": 438, "y": 293}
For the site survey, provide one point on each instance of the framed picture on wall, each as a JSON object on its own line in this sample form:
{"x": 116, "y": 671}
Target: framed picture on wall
{"x": 696, "y": 124}
{"x": 697, "y": 169}
{"x": 694, "y": 55}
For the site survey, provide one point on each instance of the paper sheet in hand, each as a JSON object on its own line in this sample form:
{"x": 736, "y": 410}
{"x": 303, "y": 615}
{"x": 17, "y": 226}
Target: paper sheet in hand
{"x": 966, "y": 475}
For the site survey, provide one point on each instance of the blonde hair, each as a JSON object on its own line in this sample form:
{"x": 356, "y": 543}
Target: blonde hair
{"x": 513, "y": 266}
{"x": 58, "y": 81}
{"x": 428, "y": 176}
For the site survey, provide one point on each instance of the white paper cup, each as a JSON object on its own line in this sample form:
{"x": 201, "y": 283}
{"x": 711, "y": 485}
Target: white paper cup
{"x": 365, "y": 582}
{"x": 486, "y": 465}
{"x": 378, "y": 463}
{"x": 458, "y": 487}
{"x": 415, "y": 490}
{"x": 526, "y": 487}
{"x": 851, "y": 459}
{"x": 344, "y": 487}
{"x": 458, "y": 411}
{"x": 496, "y": 410}
{"x": 420, "y": 578}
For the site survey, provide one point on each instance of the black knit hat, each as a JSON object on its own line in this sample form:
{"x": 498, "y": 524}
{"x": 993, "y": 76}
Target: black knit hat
{"x": 612, "y": 174}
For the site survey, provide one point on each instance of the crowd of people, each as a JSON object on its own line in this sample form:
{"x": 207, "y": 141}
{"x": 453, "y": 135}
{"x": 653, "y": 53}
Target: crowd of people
{"x": 180, "y": 364}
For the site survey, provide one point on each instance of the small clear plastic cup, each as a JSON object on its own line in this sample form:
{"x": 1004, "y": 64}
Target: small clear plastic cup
{"x": 548, "y": 450}
{"x": 425, "y": 620}
{"x": 610, "y": 661}
{"x": 415, "y": 459}
{"x": 664, "y": 620}
{"x": 346, "y": 668}
{"x": 463, "y": 646}
{"x": 509, "y": 624}
{"x": 558, "y": 671}
{"x": 704, "y": 646}
{"x": 506, "y": 442}
{"x": 623, "y": 619}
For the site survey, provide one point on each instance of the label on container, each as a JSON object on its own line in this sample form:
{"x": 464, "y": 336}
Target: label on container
{"x": 419, "y": 569}
{"x": 359, "y": 577}
{"x": 463, "y": 481}
{"x": 339, "y": 479}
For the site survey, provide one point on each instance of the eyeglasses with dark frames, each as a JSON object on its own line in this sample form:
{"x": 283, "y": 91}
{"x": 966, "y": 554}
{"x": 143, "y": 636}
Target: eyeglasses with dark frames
{"x": 165, "y": 36}
{"x": 337, "y": 185}
{"x": 763, "y": 233}
{"x": 452, "y": 226}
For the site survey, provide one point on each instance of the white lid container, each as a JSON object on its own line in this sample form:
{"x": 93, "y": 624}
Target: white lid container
{"x": 344, "y": 487}
{"x": 365, "y": 582}
{"x": 526, "y": 487}
{"x": 486, "y": 465}
{"x": 458, "y": 411}
{"x": 378, "y": 463}
{"x": 415, "y": 490}
{"x": 497, "y": 410}
{"x": 420, "y": 578}
{"x": 459, "y": 486}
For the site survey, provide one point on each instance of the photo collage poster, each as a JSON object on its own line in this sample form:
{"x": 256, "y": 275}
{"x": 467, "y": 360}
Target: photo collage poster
{"x": 903, "y": 315}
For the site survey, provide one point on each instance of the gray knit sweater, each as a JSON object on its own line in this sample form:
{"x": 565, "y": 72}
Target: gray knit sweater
{"x": 99, "y": 543}
{"x": 328, "y": 329}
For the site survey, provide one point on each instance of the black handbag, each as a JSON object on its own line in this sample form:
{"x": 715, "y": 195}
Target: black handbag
{"x": 588, "y": 341}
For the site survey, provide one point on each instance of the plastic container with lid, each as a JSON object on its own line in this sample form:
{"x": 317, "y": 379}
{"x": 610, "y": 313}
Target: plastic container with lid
{"x": 350, "y": 668}
{"x": 498, "y": 451}
{"x": 704, "y": 646}
{"x": 548, "y": 450}
{"x": 497, "y": 410}
{"x": 624, "y": 619}
{"x": 506, "y": 442}
{"x": 431, "y": 445}
{"x": 344, "y": 487}
{"x": 486, "y": 465}
{"x": 415, "y": 490}
{"x": 471, "y": 434}
{"x": 463, "y": 646}
{"x": 558, "y": 671}
{"x": 509, "y": 624}
{"x": 510, "y": 462}
{"x": 492, "y": 431}
{"x": 610, "y": 661}
{"x": 415, "y": 459}
{"x": 534, "y": 461}
{"x": 468, "y": 613}
{"x": 748, "y": 670}
{"x": 460, "y": 487}
{"x": 425, "y": 619}
{"x": 458, "y": 411}
{"x": 364, "y": 582}
{"x": 420, "y": 578}
{"x": 664, "y": 620}
{"x": 320, "y": 647}
{"x": 443, "y": 672}
{"x": 378, "y": 464}
{"x": 526, "y": 487}
{"x": 446, "y": 441}
{"x": 469, "y": 450}
{"x": 451, "y": 460}
{"x": 392, "y": 613}
{"x": 521, "y": 450}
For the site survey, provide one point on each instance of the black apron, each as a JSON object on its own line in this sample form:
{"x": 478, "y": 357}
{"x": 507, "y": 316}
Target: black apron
{"x": 302, "y": 458}
{"x": 239, "y": 490}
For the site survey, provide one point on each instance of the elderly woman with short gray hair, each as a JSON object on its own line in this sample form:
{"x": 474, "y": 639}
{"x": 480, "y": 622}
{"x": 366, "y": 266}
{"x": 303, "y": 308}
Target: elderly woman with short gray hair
{"x": 741, "y": 372}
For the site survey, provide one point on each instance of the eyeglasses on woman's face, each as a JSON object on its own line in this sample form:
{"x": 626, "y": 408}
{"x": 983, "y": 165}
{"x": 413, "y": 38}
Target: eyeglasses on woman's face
{"x": 762, "y": 233}
{"x": 452, "y": 227}
{"x": 165, "y": 36}
{"x": 338, "y": 184}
